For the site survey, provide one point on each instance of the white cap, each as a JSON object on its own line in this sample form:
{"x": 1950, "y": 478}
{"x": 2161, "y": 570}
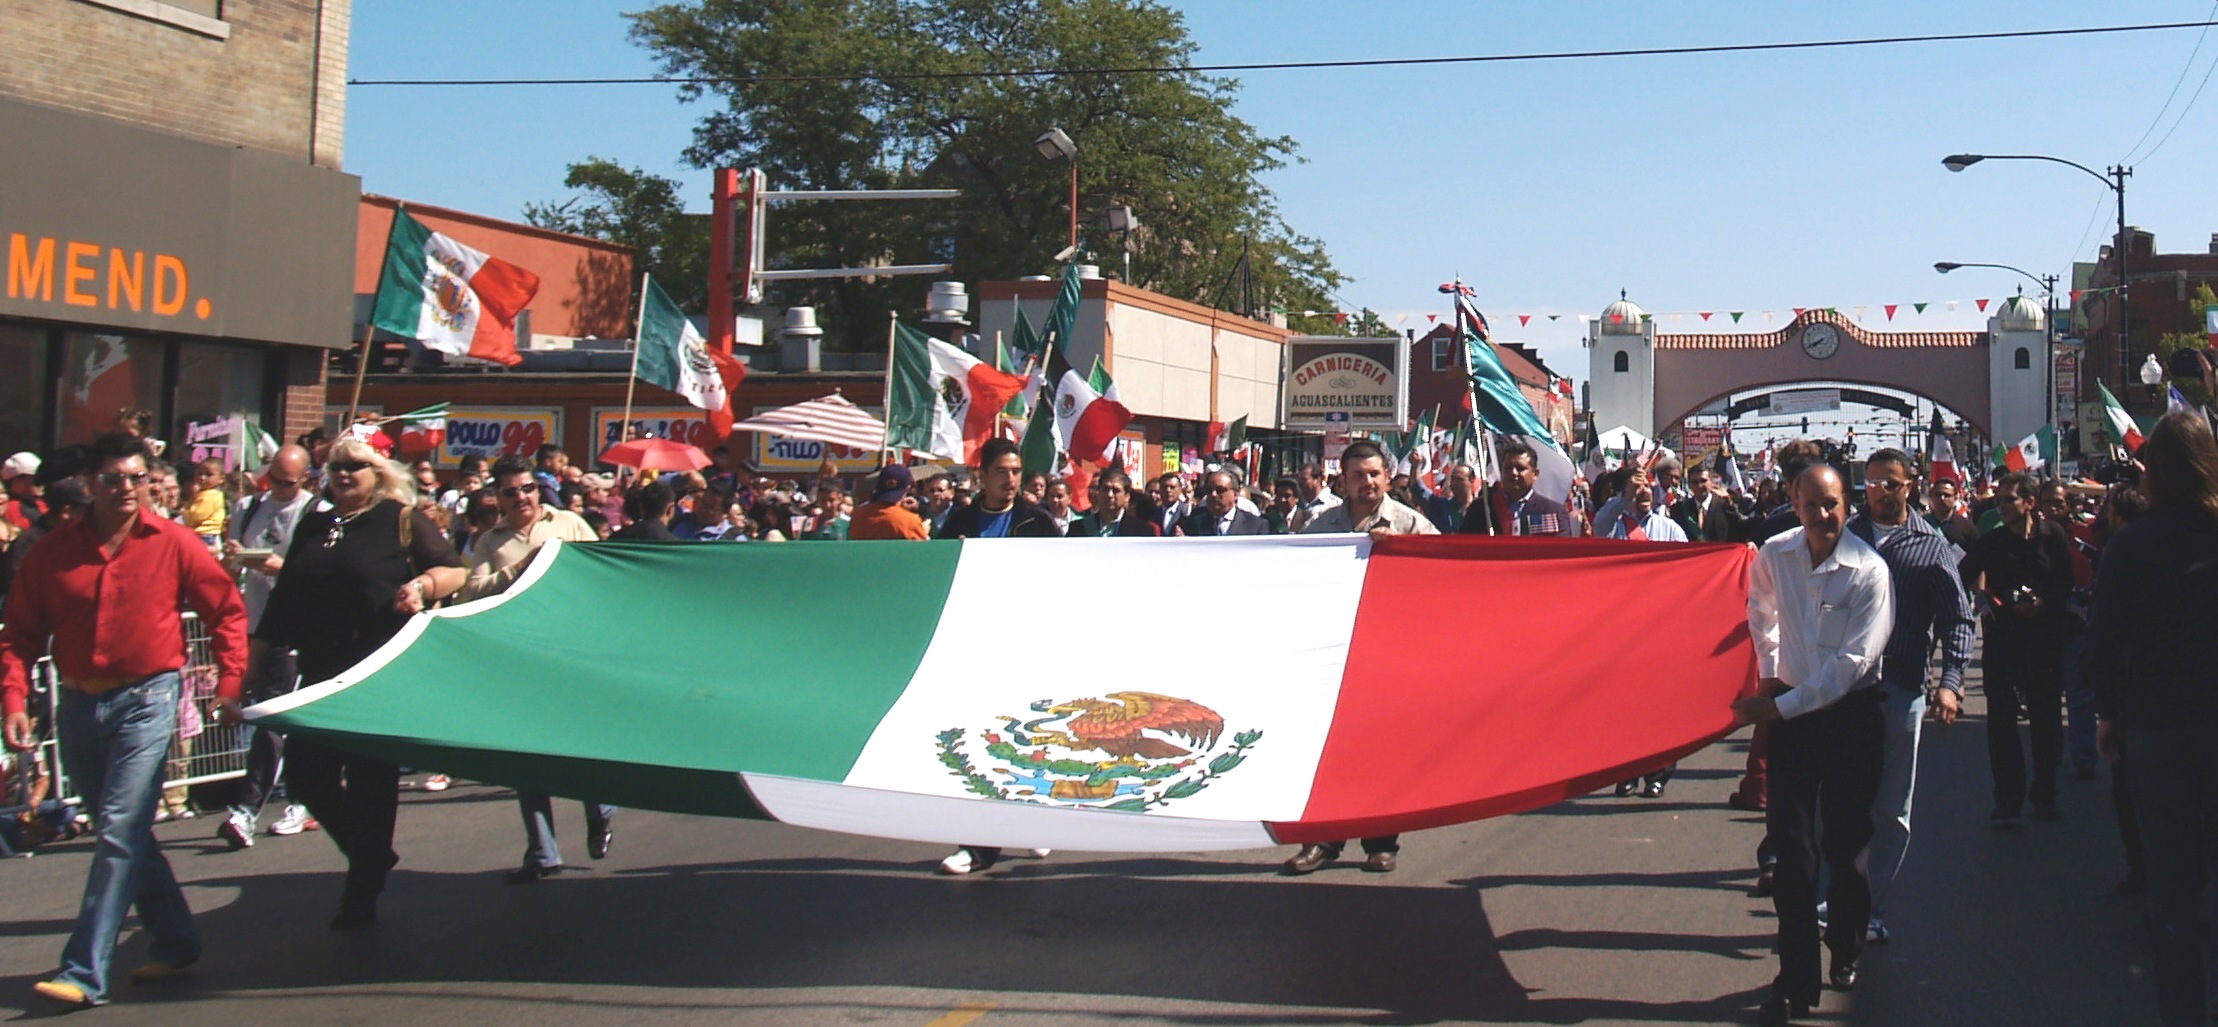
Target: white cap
{"x": 21, "y": 463}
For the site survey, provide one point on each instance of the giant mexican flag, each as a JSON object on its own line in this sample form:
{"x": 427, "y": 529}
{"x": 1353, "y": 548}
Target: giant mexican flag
{"x": 928, "y": 717}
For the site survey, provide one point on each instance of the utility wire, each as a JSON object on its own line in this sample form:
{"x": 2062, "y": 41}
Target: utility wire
{"x": 2174, "y": 94}
{"x": 1382, "y": 62}
{"x": 2183, "y": 111}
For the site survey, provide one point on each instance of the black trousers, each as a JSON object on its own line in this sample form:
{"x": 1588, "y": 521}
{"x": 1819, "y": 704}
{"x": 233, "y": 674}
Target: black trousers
{"x": 2024, "y": 669}
{"x": 1823, "y": 779}
{"x": 356, "y": 799}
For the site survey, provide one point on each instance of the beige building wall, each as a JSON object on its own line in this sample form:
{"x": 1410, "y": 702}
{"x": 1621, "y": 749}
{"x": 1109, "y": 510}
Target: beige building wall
{"x": 264, "y": 74}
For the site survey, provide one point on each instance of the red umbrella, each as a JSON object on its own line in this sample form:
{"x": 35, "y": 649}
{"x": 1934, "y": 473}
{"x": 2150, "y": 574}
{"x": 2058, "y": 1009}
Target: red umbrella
{"x": 659, "y": 454}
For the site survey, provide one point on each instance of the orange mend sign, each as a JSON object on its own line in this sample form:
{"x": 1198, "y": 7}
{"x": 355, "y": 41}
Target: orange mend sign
{"x": 124, "y": 280}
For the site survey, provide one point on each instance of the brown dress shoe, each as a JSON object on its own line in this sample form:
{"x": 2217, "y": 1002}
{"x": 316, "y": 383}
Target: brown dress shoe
{"x": 1379, "y": 863}
{"x": 1309, "y": 860}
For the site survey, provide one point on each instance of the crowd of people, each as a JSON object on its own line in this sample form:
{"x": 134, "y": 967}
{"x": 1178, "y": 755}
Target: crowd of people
{"x": 1872, "y": 585}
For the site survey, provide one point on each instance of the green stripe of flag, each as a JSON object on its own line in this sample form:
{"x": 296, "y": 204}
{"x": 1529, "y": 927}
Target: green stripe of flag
{"x": 697, "y": 693}
{"x": 400, "y": 287}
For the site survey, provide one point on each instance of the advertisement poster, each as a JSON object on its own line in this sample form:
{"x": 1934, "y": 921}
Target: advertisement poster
{"x": 681, "y": 424}
{"x": 495, "y": 432}
{"x": 1366, "y": 380}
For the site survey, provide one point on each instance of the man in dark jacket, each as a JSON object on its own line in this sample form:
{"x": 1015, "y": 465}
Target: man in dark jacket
{"x": 1113, "y": 515}
{"x": 2024, "y": 569}
{"x": 999, "y": 512}
{"x": 1220, "y": 512}
{"x": 1708, "y": 514}
{"x": 1517, "y": 509}
{"x": 655, "y": 505}
{"x": 1930, "y": 604}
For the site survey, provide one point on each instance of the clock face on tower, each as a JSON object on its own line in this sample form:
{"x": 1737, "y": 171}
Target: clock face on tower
{"x": 1821, "y": 341}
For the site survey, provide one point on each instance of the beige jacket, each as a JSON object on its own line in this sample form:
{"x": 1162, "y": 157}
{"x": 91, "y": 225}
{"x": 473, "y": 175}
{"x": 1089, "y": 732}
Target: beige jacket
{"x": 499, "y": 555}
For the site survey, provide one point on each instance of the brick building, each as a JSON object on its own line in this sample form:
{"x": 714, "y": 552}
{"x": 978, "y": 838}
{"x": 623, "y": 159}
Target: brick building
{"x": 1435, "y": 381}
{"x": 178, "y": 230}
{"x": 2162, "y": 288}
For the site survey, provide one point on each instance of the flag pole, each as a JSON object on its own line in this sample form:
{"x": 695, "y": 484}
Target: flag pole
{"x": 893, "y": 324}
{"x": 1471, "y": 399}
{"x": 361, "y": 368}
{"x": 631, "y": 381}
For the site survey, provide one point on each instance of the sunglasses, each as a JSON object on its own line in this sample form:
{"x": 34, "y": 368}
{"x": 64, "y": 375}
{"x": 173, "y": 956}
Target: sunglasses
{"x": 519, "y": 491}
{"x": 1885, "y": 485}
{"x": 116, "y": 481}
{"x": 347, "y": 466}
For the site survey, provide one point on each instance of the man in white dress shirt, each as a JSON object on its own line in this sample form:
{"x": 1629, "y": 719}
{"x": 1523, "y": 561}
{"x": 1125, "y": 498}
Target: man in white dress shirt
{"x": 1820, "y": 610}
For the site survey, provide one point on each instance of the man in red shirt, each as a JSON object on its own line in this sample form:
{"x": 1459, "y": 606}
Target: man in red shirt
{"x": 107, "y": 589}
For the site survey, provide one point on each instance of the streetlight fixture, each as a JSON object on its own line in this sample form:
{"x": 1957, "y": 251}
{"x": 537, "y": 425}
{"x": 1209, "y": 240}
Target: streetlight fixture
{"x": 1123, "y": 223}
{"x": 2048, "y": 307}
{"x": 2115, "y": 181}
{"x": 1055, "y": 144}
{"x": 2152, "y": 375}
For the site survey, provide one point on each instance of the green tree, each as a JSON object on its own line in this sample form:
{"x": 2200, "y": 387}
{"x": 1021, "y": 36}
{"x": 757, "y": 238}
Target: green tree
{"x": 826, "y": 94}
{"x": 640, "y": 210}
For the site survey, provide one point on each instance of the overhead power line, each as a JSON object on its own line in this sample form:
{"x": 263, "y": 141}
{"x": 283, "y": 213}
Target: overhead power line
{"x": 1380, "y": 62}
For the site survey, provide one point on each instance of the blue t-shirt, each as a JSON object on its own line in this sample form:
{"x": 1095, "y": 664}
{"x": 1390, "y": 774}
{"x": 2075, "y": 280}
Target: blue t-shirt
{"x": 996, "y": 525}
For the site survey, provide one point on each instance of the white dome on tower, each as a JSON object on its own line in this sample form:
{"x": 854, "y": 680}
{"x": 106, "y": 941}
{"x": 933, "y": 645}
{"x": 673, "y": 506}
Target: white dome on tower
{"x": 1623, "y": 316}
{"x": 2020, "y": 314}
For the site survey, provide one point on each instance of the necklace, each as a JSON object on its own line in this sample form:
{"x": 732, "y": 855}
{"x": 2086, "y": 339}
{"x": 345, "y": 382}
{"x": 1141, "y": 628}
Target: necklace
{"x": 339, "y": 527}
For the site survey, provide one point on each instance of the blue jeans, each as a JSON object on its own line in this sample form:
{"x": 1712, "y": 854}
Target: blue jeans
{"x": 113, "y": 747}
{"x": 1904, "y": 710}
{"x": 540, "y": 849}
{"x": 2175, "y": 794}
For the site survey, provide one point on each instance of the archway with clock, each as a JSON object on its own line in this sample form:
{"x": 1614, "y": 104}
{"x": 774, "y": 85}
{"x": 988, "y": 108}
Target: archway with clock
{"x": 1997, "y": 381}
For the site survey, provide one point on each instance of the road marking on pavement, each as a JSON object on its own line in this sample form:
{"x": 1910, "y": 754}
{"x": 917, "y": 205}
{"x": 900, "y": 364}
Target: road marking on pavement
{"x": 963, "y": 1014}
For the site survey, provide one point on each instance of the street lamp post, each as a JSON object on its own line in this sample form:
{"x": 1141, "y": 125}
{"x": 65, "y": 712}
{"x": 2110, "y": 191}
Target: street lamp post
{"x": 2116, "y": 182}
{"x": 1054, "y": 144}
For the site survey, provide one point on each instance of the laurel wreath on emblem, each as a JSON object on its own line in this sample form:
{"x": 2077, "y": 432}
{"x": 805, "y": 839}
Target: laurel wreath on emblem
{"x": 1130, "y": 752}
{"x": 1342, "y": 381}
{"x": 953, "y": 395}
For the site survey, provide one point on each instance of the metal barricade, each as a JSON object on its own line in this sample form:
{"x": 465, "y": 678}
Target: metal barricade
{"x": 200, "y": 752}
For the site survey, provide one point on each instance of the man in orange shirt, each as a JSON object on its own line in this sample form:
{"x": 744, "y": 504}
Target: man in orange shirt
{"x": 884, "y": 516}
{"x": 118, "y": 648}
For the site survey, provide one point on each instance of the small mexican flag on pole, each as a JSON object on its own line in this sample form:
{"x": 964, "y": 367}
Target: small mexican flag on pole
{"x": 2027, "y": 455}
{"x": 2122, "y": 426}
{"x": 451, "y": 298}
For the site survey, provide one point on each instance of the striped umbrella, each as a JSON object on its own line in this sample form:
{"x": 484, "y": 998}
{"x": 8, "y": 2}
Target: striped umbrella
{"x": 831, "y": 419}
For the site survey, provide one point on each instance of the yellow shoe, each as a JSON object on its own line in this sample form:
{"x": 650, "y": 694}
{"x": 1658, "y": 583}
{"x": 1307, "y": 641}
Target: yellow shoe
{"x": 63, "y": 992}
{"x": 154, "y": 970}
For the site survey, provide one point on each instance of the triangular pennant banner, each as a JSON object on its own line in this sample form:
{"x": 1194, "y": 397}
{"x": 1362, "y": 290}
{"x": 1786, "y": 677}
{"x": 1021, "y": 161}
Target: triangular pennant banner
{"x": 1952, "y": 305}
{"x": 1982, "y": 305}
{"x": 1737, "y": 316}
{"x": 1891, "y": 308}
{"x": 1617, "y": 318}
{"x": 1798, "y": 311}
{"x": 1705, "y": 315}
{"x": 1433, "y": 318}
{"x": 1553, "y": 317}
{"x": 1524, "y": 319}
{"x": 1919, "y": 307}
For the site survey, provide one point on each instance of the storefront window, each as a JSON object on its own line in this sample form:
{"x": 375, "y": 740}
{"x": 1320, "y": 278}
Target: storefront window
{"x": 104, "y": 379}
{"x": 23, "y": 354}
{"x": 215, "y": 384}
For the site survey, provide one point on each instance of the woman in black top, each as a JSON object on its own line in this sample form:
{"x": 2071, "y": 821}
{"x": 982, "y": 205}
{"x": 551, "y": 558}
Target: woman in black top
{"x": 2153, "y": 661}
{"x": 355, "y": 573}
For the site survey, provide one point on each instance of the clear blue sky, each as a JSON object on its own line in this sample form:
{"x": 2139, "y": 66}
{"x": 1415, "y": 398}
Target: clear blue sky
{"x": 1733, "y": 182}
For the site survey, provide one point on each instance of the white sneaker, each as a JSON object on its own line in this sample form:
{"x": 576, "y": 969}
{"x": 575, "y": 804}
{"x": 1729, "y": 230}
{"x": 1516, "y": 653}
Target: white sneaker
{"x": 958, "y": 863}
{"x": 437, "y": 783}
{"x": 238, "y": 830}
{"x": 294, "y": 821}
{"x": 1039, "y": 853}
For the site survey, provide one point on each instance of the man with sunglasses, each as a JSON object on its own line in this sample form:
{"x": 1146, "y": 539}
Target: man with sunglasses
{"x": 497, "y": 558}
{"x": 265, "y": 530}
{"x": 2024, "y": 572}
{"x": 1220, "y": 512}
{"x": 1930, "y": 605}
{"x": 107, "y": 589}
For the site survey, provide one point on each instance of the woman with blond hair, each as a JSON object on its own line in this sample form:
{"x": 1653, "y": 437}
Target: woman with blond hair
{"x": 360, "y": 565}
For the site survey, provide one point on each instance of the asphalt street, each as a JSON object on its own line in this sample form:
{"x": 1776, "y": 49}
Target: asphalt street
{"x": 1599, "y": 910}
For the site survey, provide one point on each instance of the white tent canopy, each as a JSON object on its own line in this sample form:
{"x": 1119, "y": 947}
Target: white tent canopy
{"x": 1626, "y": 440}
{"x": 830, "y": 419}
